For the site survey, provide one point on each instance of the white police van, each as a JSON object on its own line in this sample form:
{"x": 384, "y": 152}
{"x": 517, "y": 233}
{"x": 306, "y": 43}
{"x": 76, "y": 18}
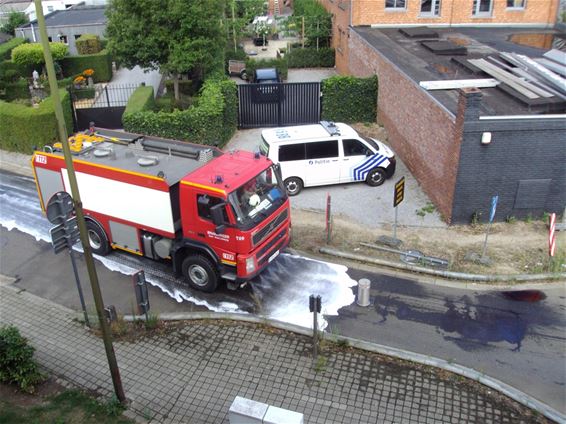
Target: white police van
{"x": 326, "y": 153}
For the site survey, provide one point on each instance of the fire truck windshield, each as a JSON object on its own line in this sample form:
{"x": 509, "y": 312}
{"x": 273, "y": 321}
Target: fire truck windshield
{"x": 257, "y": 198}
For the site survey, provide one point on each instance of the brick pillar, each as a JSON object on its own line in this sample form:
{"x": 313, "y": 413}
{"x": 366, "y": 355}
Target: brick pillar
{"x": 469, "y": 104}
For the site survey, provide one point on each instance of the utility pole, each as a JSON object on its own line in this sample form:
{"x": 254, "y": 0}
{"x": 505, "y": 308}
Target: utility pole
{"x": 106, "y": 335}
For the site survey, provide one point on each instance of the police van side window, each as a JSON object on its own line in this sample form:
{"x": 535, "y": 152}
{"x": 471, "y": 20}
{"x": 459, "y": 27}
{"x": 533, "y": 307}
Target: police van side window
{"x": 355, "y": 148}
{"x": 322, "y": 149}
{"x": 292, "y": 152}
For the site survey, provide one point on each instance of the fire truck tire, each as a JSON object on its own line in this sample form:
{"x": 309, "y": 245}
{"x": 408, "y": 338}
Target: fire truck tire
{"x": 293, "y": 185}
{"x": 97, "y": 238}
{"x": 376, "y": 177}
{"x": 200, "y": 273}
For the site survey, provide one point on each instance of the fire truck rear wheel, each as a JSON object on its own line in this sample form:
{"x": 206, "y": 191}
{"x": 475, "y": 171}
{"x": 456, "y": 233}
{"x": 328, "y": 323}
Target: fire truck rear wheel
{"x": 97, "y": 238}
{"x": 200, "y": 273}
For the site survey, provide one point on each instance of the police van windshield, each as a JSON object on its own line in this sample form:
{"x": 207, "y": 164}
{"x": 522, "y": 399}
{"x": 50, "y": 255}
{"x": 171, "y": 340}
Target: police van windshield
{"x": 372, "y": 143}
{"x": 257, "y": 198}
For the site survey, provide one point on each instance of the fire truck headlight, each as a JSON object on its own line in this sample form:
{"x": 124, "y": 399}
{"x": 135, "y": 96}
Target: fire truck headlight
{"x": 250, "y": 265}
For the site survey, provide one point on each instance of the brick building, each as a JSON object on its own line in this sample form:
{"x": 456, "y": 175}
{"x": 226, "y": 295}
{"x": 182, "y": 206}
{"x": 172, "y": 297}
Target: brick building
{"x": 438, "y": 134}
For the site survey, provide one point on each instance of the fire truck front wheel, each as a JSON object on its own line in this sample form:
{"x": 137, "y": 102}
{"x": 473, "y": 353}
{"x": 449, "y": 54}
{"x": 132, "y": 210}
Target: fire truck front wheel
{"x": 97, "y": 238}
{"x": 200, "y": 273}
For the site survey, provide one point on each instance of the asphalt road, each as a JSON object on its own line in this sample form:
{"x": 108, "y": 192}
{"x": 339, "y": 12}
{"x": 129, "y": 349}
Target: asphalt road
{"x": 520, "y": 342}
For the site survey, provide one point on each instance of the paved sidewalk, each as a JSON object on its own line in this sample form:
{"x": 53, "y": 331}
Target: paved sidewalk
{"x": 192, "y": 374}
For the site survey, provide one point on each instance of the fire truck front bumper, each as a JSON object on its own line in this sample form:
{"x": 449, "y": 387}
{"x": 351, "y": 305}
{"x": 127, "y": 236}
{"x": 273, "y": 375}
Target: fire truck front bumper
{"x": 249, "y": 266}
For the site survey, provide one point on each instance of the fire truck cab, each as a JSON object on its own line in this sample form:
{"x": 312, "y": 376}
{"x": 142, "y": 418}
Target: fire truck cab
{"x": 212, "y": 215}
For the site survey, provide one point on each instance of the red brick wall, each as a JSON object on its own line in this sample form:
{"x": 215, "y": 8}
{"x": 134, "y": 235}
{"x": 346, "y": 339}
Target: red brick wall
{"x": 422, "y": 133}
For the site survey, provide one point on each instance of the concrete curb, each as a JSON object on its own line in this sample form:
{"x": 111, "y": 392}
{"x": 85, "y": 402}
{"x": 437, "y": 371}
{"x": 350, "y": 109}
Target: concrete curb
{"x": 445, "y": 274}
{"x": 470, "y": 373}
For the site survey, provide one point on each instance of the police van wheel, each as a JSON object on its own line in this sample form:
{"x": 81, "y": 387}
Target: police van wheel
{"x": 293, "y": 186}
{"x": 97, "y": 238}
{"x": 376, "y": 177}
{"x": 200, "y": 273}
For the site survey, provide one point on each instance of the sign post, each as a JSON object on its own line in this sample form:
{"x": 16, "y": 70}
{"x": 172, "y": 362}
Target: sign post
{"x": 398, "y": 197}
{"x": 551, "y": 234}
{"x": 315, "y": 303}
{"x": 494, "y": 200}
{"x": 65, "y": 234}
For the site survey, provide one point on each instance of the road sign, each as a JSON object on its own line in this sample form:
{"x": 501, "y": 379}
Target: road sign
{"x": 142, "y": 295}
{"x": 65, "y": 235}
{"x": 59, "y": 207}
{"x": 399, "y": 194}
{"x": 315, "y": 303}
{"x": 494, "y": 200}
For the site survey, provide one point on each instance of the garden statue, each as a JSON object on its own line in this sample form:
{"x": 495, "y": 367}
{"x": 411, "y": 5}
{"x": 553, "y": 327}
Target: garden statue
{"x": 35, "y": 76}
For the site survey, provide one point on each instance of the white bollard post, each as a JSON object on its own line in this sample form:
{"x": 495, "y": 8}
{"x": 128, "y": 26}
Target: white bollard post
{"x": 363, "y": 292}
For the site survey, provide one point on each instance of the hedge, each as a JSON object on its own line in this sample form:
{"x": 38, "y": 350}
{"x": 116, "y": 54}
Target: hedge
{"x": 280, "y": 64}
{"x": 88, "y": 44}
{"x": 141, "y": 100}
{"x": 6, "y": 48}
{"x": 32, "y": 54}
{"x": 100, "y": 62}
{"x": 23, "y": 127}
{"x": 16, "y": 90}
{"x": 212, "y": 120}
{"x": 311, "y": 58}
{"x": 349, "y": 99}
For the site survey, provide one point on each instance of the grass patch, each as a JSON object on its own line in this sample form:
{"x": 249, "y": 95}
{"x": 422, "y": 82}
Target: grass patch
{"x": 71, "y": 406}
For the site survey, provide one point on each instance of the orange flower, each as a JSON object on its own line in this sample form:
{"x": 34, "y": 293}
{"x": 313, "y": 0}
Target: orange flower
{"x": 79, "y": 80}
{"x": 88, "y": 72}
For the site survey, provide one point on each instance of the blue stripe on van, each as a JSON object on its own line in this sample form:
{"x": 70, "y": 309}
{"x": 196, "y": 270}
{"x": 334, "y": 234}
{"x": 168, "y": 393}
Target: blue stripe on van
{"x": 361, "y": 171}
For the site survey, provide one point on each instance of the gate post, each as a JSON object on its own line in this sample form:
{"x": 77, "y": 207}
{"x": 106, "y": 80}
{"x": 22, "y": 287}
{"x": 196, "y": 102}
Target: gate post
{"x": 107, "y": 97}
{"x": 73, "y": 110}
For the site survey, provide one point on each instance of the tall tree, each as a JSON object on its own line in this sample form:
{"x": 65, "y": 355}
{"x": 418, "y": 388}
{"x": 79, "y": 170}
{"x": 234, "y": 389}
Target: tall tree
{"x": 174, "y": 36}
{"x": 15, "y": 19}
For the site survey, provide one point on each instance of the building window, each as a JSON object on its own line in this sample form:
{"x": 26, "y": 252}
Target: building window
{"x": 49, "y": 9}
{"x": 50, "y": 39}
{"x": 430, "y": 7}
{"x": 516, "y": 4}
{"x": 482, "y": 7}
{"x": 77, "y": 36}
{"x": 63, "y": 39}
{"x": 395, "y": 4}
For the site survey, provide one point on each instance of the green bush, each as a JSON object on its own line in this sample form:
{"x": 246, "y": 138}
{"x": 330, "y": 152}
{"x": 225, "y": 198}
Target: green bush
{"x": 349, "y": 99}
{"x": 88, "y": 44}
{"x": 23, "y": 127}
{"x": 84, "y": 93}
{"x": 32, "y": 54}
{"x": 140, "y": 100}
{"x": 311, "y": 58}
{"x": 190, "y": 88}
{"x": 6, "y": 48}
{"x": 211, "y": 121}
{"x": 16, "y": 90}
{"x": 17, "y": 365}
{"x": 280, "y": 64}
{"x": 100, "y": 62}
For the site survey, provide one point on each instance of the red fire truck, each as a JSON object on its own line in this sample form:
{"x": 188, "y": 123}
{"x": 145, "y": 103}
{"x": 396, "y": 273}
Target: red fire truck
{"x": 212, "y": 215}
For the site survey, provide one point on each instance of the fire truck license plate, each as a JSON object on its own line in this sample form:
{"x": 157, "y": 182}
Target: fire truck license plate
{"x": 273, "y": 256}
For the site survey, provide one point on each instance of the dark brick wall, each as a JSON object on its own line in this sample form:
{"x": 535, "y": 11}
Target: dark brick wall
{"x": 421, "y": 132}
{"x": 520, "y": 149}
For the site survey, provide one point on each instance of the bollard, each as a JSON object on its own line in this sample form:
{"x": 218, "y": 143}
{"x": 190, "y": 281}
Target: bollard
{"x": 363, "y": 292}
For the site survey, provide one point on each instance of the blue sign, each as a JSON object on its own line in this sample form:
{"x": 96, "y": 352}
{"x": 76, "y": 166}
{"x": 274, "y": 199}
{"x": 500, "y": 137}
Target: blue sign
{"x": 494, "y": 200}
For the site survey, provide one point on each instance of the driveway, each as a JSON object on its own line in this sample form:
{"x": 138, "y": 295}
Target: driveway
{"x": 368, "y": 206}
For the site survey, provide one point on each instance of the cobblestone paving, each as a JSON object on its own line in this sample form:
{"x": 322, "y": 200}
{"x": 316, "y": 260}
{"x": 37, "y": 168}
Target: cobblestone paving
{"x": 192, "y": 374}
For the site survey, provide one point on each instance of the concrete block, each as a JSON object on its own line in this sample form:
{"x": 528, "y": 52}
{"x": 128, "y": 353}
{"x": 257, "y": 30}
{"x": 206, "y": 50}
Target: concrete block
{"x": 246, "y": 411}
{"x": 276, "y": 415}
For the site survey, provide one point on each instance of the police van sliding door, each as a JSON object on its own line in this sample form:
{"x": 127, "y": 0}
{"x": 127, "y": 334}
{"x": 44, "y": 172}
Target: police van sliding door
{"x": 323, "y": 163}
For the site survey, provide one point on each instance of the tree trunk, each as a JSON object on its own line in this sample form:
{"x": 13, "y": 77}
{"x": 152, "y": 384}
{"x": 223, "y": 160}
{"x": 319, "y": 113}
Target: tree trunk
{"x": 176, "y": 86}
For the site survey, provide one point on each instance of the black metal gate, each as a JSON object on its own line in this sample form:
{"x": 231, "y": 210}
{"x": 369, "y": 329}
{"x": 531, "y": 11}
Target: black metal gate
{"x": 278, "y": 104}
{"x": 102, "y": 104}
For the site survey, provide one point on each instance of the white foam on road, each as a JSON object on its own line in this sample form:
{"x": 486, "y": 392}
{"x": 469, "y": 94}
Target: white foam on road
{"x": 281, "y": 292}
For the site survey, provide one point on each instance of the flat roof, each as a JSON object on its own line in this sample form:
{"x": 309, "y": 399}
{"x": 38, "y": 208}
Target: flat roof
{"x": 305, "y": 132}
{"x": 74, "y": 16}
{"x": 422, "y": 64}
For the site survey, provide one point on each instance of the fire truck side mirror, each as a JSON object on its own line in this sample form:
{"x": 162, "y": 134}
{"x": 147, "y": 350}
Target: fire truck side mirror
{"x": 217, "y": 212}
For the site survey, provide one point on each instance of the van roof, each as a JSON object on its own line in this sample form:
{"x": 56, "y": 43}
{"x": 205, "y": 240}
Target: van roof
{"x": 306, "y": 132}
